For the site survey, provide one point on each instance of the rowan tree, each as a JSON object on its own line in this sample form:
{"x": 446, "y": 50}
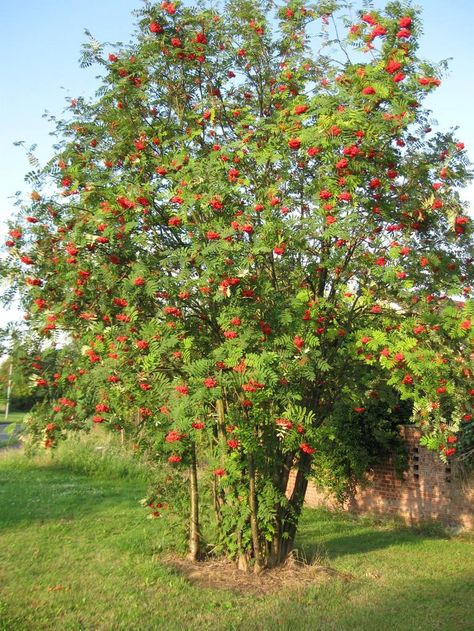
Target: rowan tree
{"x": 254, "y": 235}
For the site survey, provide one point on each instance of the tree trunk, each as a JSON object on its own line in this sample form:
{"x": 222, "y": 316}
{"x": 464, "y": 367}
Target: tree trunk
{"x": 194, "y": 532}
{"x": 221, "y": 433}
{"x": 296, "y": 501}
{"x": 218, "y": 493}
{"x": 275, "y": 547}
{"x": 258, "y": 567}
{"x": 216, "y": 501}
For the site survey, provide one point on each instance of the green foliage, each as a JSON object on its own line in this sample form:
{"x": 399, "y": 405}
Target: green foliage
{"x": 350, "y": 444}
{"x": 252, "y": 245}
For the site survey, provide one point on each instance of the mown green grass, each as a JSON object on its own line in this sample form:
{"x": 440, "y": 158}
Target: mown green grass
{"x": 13, "y": 417}
{"x": 9, "y": 442}
{"x": 76, "y": 553}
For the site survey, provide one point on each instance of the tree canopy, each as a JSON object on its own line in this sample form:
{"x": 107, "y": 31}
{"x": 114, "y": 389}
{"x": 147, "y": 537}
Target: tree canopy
{"x": 255, "y": 239}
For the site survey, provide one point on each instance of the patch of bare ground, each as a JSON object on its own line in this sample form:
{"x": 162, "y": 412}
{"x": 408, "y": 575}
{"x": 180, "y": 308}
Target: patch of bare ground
{"x": 223, "y": 574}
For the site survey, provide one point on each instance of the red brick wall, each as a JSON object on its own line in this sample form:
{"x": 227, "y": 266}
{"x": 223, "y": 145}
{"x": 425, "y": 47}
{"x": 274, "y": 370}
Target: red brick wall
{"x": 429, "y": 490}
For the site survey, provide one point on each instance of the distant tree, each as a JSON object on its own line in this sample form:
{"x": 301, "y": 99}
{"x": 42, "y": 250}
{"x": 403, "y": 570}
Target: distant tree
{"x": 31, "y": 361}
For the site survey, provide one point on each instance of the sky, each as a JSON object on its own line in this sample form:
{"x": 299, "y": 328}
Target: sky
{"x": 40, "y": 44}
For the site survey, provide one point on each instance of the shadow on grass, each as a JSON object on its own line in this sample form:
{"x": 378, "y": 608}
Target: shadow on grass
{"x": 332, "y": 535}
{"x": 437, "y": 599}
{"x": 33, "y": 494}
{"x": 444, "y": 604}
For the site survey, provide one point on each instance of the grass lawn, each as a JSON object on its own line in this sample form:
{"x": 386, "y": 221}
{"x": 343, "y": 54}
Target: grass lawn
{"x": 76, "y": 553}
{"x": 13, "y": 417}
{"x": 9, "y": 442}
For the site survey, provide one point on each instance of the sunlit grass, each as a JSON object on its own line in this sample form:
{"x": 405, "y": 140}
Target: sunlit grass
{"x": 77, "y": 552}
{"x": 13, "y": 417}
